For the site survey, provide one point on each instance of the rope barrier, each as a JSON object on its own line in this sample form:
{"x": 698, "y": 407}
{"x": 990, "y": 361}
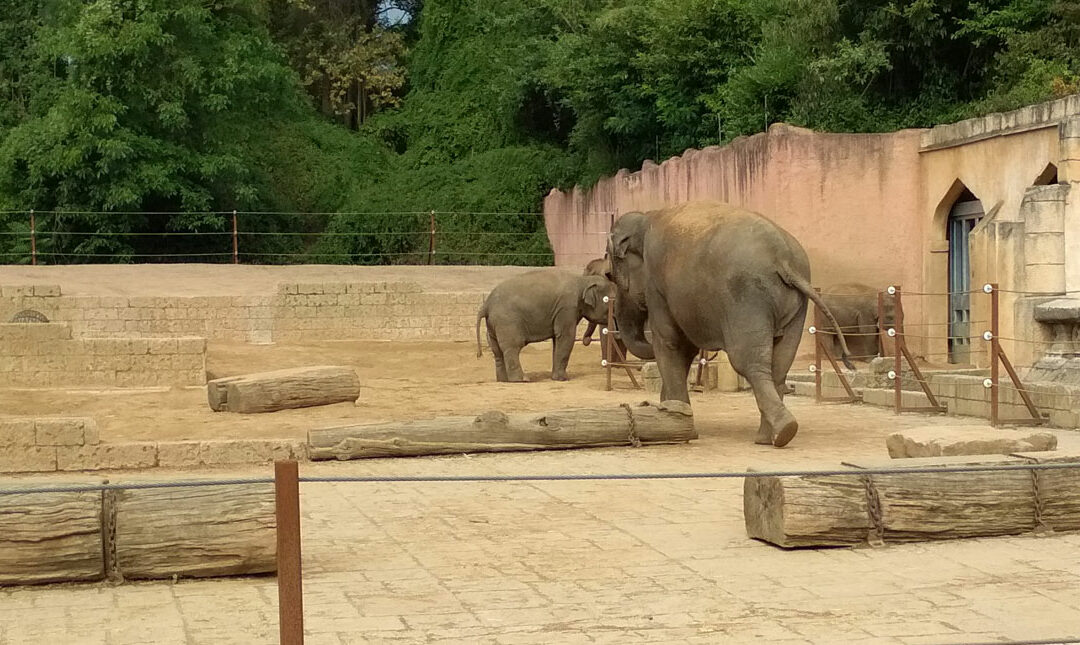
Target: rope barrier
{"x": 389, "y": 479}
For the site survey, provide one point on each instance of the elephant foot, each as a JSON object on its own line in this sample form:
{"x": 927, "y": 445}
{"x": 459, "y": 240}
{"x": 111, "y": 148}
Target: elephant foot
{"x": 764, "y": 435}
{"x": 787, "y": 429}
{"x": 560, "y": 377}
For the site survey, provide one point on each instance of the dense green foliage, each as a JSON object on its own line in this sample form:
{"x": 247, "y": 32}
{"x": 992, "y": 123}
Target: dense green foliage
{"x": 366, "y": 115}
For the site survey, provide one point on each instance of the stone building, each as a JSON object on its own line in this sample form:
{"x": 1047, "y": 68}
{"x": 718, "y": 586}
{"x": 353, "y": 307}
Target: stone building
{"x": 939, "y": 211}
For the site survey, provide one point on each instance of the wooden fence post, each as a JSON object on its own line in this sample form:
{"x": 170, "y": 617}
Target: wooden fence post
{"x": 289, "y": 578}
{"x": 995, "y": 353}
{"x": 898, "y": 343}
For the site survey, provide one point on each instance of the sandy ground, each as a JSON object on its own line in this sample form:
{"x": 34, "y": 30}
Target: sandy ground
{"x": 399, "y": 380}
{"x": 247, "y": 280}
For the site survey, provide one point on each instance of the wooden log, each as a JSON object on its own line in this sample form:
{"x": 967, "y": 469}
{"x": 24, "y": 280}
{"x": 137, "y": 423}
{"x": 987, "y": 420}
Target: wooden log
{"x": 494, "y": 431}
{"x": 194, "y": 531}
{"x": 806, "y": 511}
{"x": 1058, "y": 490}
{"x": 282, "y": 389}
{"x": 51, "y": 537}
{"x": 935, "y": 506}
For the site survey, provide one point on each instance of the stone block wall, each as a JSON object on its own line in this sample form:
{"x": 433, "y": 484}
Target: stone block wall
{"x": 47, "y": 355}
{"x": 299, "y": 311}
{"x": 45, "y": 444}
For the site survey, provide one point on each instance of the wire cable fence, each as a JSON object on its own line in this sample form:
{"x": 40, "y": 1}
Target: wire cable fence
{"x": 278, "y": 237}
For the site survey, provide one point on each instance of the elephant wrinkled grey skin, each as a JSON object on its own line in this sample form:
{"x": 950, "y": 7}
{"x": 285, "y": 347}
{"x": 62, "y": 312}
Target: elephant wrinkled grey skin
{"x": 537, "y": 306}
{"x": 855, "y": 308}
{"x": 641, "y": 349}
{"x": 712, "y": 276}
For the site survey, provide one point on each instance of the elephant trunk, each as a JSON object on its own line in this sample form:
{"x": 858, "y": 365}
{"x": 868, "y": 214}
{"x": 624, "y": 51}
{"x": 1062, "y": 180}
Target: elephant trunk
{"x": 631, "y": 322}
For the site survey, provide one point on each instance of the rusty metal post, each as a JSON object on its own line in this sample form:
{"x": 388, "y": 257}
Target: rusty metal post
{"x": 431, "y": 239}
{"x": 898, "y": 343}
{"x": 607, "y": 339}
{"x": 817, "y": 351}
{"x": 995, "y": 355}
{"x": 235, "y": 241}
{"x": 33, "y": 239}
{"x": 881, "y": 322}
{"x": 289, "y": 579}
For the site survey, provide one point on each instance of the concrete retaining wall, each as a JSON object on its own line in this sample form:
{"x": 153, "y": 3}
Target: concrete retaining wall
{"x": 47, "y": 355}
{"x": 299, "y": 311}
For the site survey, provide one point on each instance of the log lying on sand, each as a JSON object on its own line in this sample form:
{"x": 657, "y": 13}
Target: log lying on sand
{"x": 937, "y": 441}
{"x": 292, "y": 388}
{"x": 494, "y": 431}
{"x": 51, "y": 537}
{"x": 194, "y": 531}
{"x": 794, "y": 511}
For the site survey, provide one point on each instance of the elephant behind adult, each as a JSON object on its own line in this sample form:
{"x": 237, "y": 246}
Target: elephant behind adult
{"x": 643, "y": 350}
{"x": 536, "y": 306}
{"x": 713, "y": 276}
{"x": 855, "y": 307}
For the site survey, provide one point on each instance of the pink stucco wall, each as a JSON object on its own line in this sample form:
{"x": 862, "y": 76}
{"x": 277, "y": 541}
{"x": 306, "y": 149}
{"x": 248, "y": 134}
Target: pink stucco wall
{"x": 852, "y": 200}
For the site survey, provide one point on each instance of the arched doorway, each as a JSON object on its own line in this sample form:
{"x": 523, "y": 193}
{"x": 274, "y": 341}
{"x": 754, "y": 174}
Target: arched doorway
{"x": 964, "y": 215}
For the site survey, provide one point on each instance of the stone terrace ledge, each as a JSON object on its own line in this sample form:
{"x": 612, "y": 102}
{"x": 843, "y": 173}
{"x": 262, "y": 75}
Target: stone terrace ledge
{"x": 1034, "y": 117}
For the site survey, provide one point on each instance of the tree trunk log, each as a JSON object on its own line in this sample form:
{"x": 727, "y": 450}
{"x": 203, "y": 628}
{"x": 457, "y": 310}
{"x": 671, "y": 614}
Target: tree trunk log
{"x": 292, "y": 388}
{"x": 825, "y": 511}
{"x": 806, "y": 511}
{"x": 206, "y": 531}
{"x": 493, "y": 431}
{"x": 51, "y": 537}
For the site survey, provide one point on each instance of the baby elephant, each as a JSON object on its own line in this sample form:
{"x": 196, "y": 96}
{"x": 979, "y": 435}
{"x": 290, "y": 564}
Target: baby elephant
{"x": 536, "y": 306}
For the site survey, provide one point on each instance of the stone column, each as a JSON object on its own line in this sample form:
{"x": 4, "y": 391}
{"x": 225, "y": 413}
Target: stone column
{"x": 1069, "y": 175}
{"x": 1043, "y": 212}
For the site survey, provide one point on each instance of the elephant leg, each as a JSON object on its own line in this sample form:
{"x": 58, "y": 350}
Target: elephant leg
{"x": 784, "y": 351}
{"x": 674, "y": 353}
{"x": 752, "y": 356}
{"x": 496, "y": 351}
{"x": 561, "y": 346}
{"x": 512, "y": 357}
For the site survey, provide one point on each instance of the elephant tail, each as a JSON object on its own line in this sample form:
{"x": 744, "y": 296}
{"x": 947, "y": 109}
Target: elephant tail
{"x": 800, "y": 283}
{"x": 480, "y": 315}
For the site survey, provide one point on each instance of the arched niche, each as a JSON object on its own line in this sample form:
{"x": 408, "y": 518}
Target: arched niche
{"x": 1048, "y": 176}
{"x": 957, "y": 214}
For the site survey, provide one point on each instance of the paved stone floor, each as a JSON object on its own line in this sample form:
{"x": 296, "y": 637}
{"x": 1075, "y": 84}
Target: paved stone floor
{"x": 592, "y": 562}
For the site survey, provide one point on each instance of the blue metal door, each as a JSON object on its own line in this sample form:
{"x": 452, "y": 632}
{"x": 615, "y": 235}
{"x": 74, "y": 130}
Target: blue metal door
{"x": 962, "y": 219}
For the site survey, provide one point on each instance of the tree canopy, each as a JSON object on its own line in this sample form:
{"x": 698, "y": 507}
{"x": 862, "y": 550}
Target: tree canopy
{"x": 343, "y": 123}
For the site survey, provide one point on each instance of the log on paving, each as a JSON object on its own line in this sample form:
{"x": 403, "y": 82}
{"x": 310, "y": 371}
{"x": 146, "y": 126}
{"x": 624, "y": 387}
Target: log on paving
{"x": 282, "y": 389}
{"x": 943, "y": 441}
{"x": 494, "y": 431}
{"x": 51, "y": 537}
{"x": 795, "y": 511}
{"x": 193, "y": 531}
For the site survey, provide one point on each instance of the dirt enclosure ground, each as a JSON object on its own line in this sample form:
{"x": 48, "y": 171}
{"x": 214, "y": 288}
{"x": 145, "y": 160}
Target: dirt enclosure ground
{"x": 505, "y": 563}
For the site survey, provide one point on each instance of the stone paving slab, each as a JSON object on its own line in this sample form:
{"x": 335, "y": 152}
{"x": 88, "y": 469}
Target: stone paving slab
{"x": 644, "y": 561}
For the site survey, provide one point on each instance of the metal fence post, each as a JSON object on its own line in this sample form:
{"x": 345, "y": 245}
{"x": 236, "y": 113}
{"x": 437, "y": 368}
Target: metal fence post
{"x": 289, "y": 579}
{"x": 33, "y": 239}
{"x": 235, "y": 241}
{"x": 431, "y": 240}
{"x": 995, "y": 353}
{"x": 898, "y": 343}
{"x": 817, "y": 351}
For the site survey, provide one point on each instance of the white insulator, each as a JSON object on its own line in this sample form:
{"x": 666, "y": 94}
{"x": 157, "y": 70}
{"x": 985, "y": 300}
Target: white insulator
{"x": 891, "y": 332}
{"x": 892, "y": 375}
{"x": 607, "y": 299}
{"x": 988, "y": 288}
{"x": 704, "y": 362}
{"x": 603, "y": 362}
{"x": 604, "y": 331}
{"x": 988, "y": 335}
{"x": 813, "y": 368}
{"x": 812, "y": 330}
{"x": 988, "y": 383}
{"x": 891, "y": 290}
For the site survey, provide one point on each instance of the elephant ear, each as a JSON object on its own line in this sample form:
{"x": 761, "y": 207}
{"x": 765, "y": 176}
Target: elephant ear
{"x": 593, "y": 292}
{"x": 626, "y": 234}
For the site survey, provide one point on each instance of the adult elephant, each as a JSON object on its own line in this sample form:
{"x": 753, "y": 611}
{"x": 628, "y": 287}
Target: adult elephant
{"x": 641, "y": 349}
{"x": 855, "y": 308}
{"x": 713, "y": 276}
